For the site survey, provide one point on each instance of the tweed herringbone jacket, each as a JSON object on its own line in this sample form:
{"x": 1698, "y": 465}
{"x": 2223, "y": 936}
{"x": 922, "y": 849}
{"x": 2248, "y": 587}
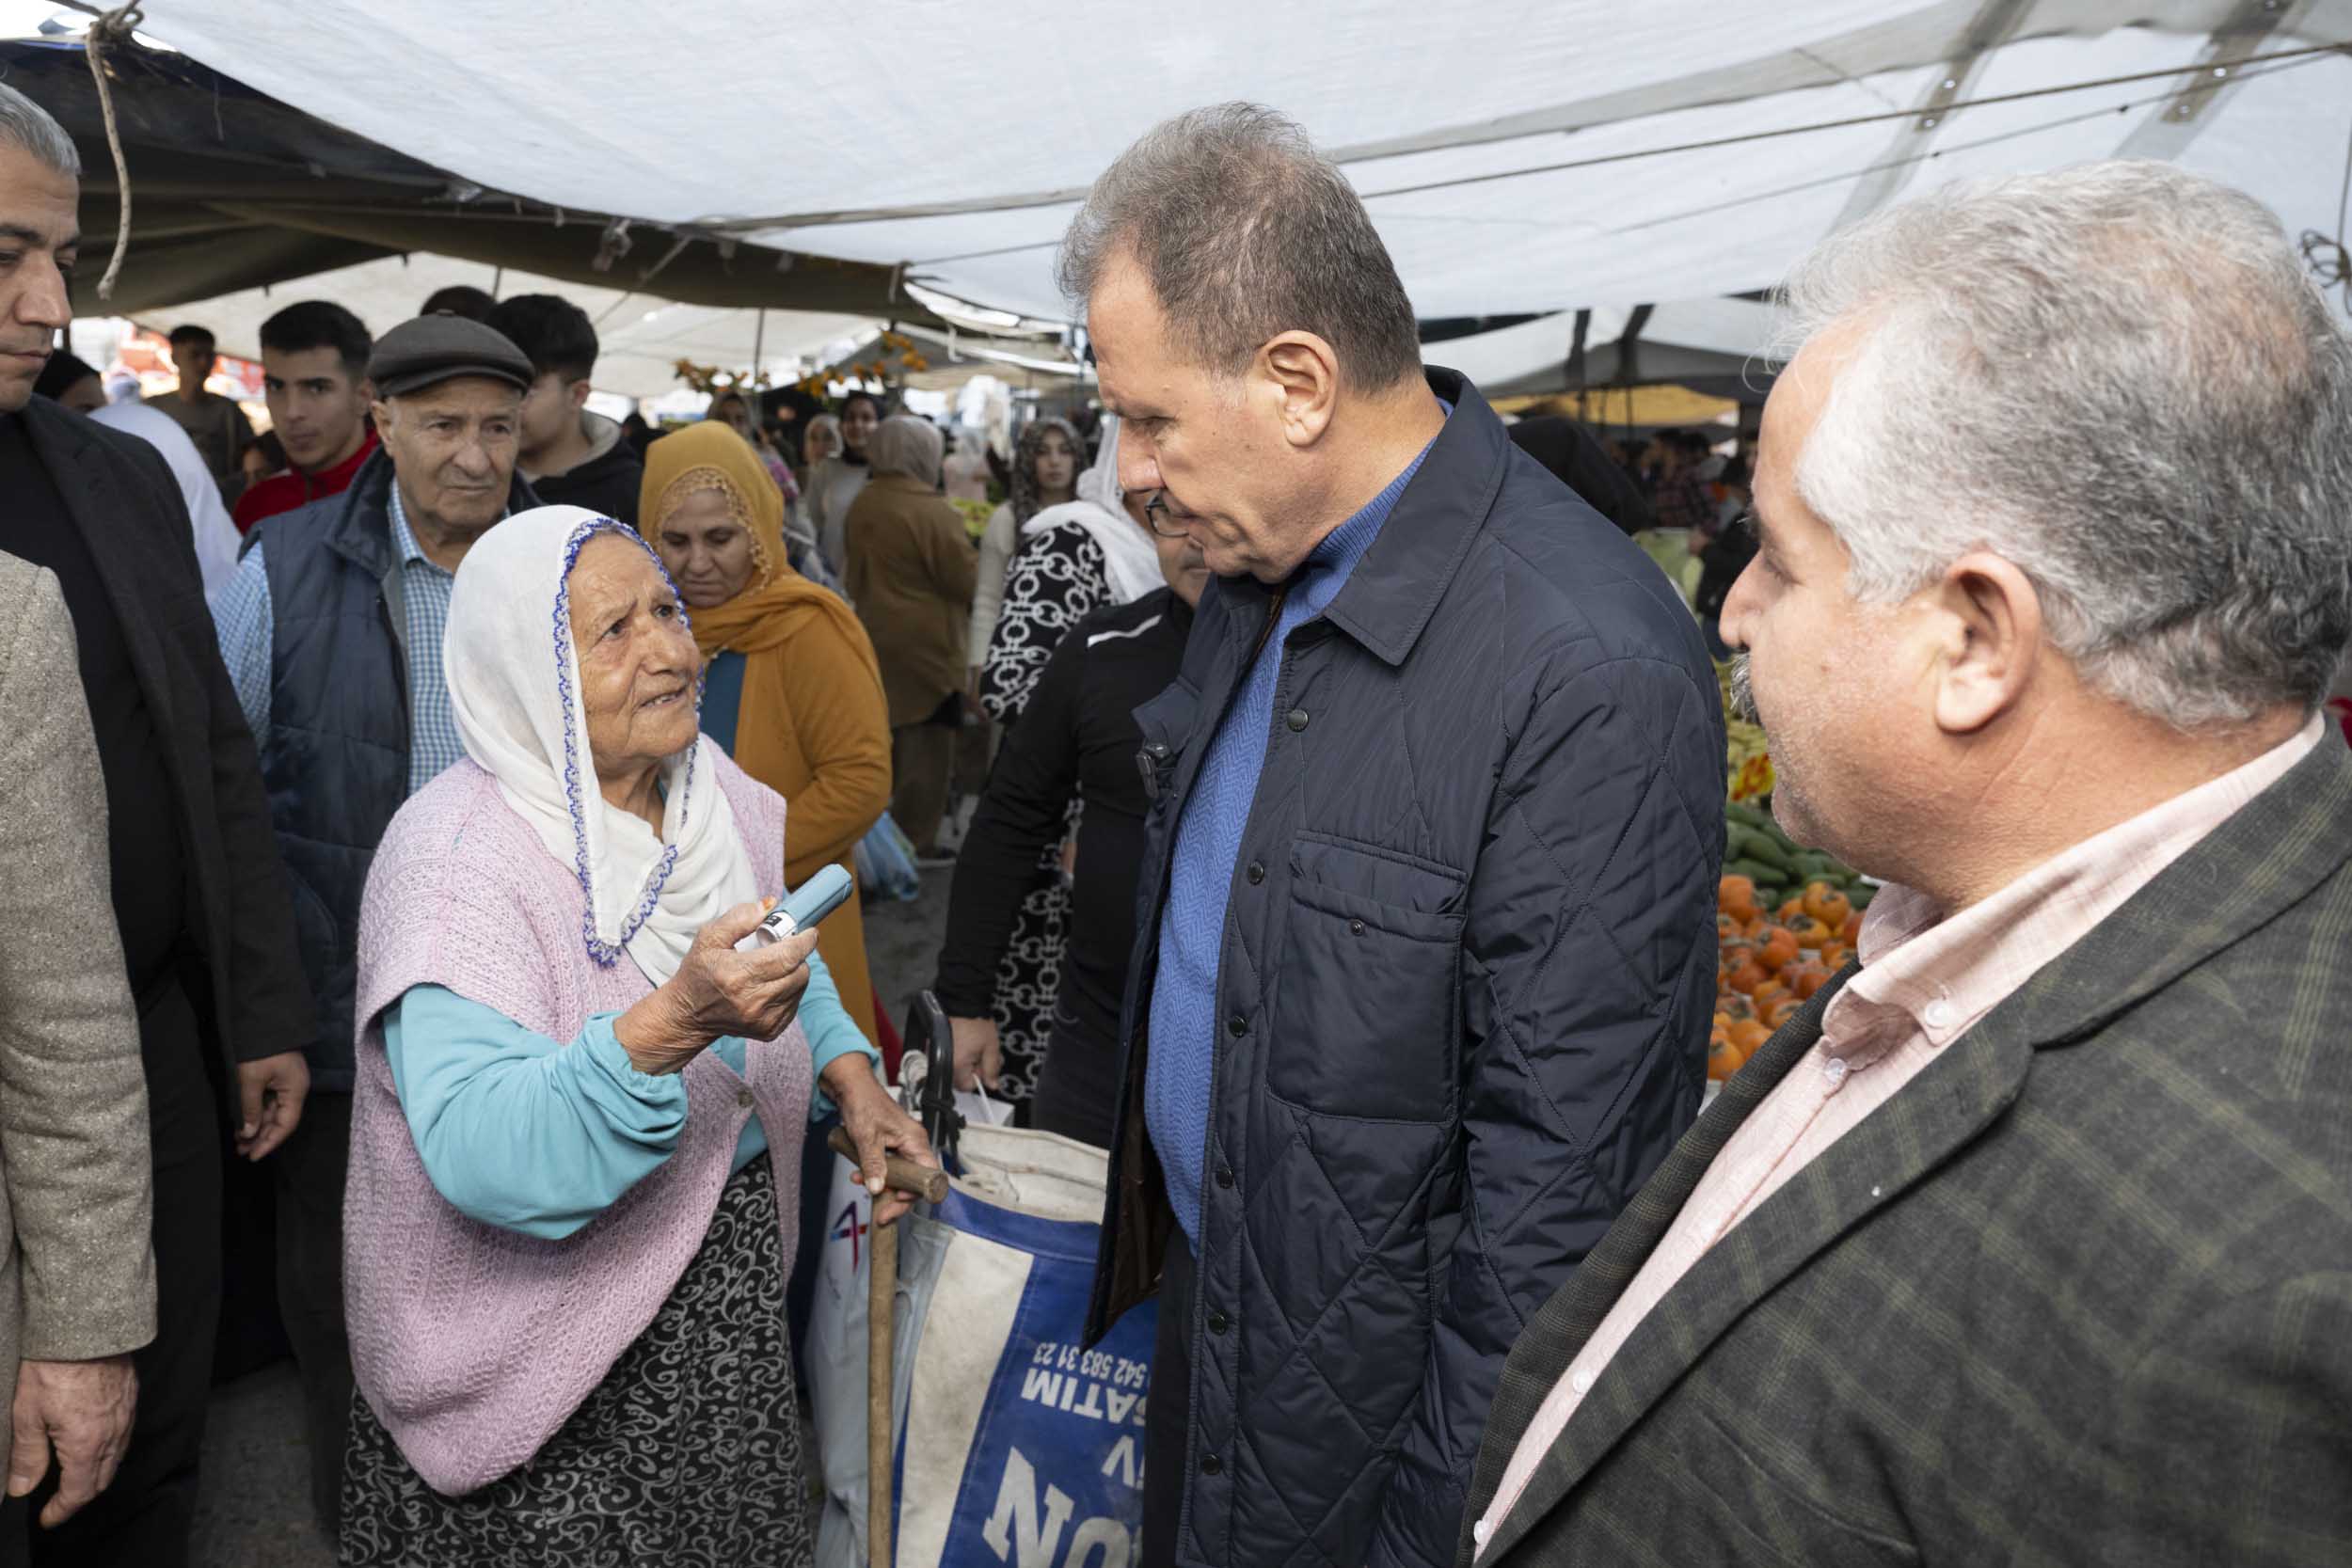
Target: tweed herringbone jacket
{"x": 76, "y": 1278}
{"x": 2081, "y": 1292}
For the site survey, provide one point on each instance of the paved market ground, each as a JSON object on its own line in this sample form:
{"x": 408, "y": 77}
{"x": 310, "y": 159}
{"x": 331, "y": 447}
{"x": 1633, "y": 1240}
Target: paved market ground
{"x": 255, "y": 1508}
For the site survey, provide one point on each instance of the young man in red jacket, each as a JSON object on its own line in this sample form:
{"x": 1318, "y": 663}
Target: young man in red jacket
{"x": 314, "y": 359}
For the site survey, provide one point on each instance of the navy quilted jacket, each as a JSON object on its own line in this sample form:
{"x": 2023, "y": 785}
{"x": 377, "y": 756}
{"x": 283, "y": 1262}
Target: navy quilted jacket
{"x": 1464, "y": 994}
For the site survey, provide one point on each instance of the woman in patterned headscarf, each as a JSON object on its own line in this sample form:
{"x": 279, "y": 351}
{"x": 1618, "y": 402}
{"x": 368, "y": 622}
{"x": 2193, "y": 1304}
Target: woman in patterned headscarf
{"x": 791, "y": 689}
{"x": 1045, "y": 462}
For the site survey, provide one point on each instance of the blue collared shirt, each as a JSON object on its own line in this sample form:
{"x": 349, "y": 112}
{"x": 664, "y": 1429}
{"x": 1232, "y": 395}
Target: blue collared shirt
{"x": 1176, "y": 1088}
{"x": 248, "y": 627}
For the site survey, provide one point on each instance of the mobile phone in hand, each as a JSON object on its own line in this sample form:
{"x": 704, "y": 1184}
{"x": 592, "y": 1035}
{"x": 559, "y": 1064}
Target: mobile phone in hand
{"x": 804, "y": 907}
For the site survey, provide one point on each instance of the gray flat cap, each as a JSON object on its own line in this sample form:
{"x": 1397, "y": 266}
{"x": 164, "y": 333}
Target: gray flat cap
{"x": 441, "y": 347}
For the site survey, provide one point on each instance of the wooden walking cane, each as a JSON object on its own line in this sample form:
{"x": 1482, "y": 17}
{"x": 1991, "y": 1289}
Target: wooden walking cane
{"x": 881, "y": 1299}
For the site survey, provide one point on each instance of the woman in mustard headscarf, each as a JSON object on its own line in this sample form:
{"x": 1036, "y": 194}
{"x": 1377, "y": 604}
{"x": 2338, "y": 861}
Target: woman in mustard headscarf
{"x": 791, "y": 691}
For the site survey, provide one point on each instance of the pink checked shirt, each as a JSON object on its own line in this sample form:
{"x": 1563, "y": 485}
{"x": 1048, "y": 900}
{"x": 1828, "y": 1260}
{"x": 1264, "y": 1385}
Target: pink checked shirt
{"x": 1925, "y": 982}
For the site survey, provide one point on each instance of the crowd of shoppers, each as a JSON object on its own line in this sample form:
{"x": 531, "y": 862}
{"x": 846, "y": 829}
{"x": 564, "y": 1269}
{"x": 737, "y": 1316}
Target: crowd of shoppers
{"x": 1348, "y": 871}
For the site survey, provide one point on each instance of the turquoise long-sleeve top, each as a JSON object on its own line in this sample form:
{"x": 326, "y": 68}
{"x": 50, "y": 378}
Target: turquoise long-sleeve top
{"x": 518, "y": 1130}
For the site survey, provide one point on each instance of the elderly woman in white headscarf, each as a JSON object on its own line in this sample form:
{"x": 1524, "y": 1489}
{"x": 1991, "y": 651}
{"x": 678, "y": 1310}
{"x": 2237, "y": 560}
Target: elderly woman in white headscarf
{"x": 1072, "y": 560}
{"x": 576, "y": 1131}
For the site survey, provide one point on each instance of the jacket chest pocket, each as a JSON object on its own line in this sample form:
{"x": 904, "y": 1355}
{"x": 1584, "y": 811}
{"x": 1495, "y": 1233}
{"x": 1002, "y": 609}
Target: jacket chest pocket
{"x": 1365, "y": 1009}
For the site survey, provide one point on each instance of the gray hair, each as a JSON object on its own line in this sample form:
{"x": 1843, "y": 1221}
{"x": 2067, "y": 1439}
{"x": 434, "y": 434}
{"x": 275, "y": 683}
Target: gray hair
{"x": 1244, "y": 232}
{"x": 903, "y": 444}
{"x": 2118, "y": 378}
{"x": 29, "y": 128}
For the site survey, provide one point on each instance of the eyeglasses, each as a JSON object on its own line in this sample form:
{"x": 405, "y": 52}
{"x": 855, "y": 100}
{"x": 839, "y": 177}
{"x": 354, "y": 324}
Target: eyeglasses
{"x": 1155, "y": 514}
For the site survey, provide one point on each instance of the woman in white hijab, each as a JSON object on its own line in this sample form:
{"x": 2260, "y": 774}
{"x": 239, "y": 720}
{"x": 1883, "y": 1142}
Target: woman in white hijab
{"x": 576, "y": 1131}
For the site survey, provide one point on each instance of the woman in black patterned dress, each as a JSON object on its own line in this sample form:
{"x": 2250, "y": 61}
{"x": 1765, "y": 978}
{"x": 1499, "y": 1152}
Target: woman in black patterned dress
{"x": 1071, "y": 560}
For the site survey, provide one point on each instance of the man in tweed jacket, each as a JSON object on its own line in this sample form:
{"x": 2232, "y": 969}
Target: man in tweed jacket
{"x": 2031, "y": 1241}
{"x": 77, "y": 1280}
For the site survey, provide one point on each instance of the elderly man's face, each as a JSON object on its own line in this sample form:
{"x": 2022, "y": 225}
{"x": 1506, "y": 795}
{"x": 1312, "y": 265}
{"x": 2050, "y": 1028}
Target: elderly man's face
{"x": 1842, "y": 688}
{"x": 453, "y": 448}
{"x": 39, "y": 238}
{"x": 1222, "y": 470}
{"x": 1180, "y": 562}
{"x": 638, "y": 664}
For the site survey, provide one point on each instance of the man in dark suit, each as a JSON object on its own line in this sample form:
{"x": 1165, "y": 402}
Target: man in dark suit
{"x": 207, "y": 930}
{"x": 2031, "y": 1241}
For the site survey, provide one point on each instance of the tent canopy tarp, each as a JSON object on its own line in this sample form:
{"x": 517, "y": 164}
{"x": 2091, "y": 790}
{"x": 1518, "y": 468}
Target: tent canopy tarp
{"x": 233, "y": 190}
{"x": 1520, "y": 155}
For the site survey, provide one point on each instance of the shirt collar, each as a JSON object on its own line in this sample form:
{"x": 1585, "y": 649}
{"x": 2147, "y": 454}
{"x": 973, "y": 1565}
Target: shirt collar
{"x": 1336, "y": 554}
{"x": 404, "y": 538}
{"x": 1943, "y": 976}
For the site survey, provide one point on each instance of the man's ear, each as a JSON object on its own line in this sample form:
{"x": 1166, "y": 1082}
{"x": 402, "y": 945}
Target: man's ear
{"x": 1299, "y": 371}
{"x": 577, "y": 391}
{"x": 1991, "y": 632}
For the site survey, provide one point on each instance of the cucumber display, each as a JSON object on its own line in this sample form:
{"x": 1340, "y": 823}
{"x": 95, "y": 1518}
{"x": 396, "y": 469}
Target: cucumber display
{"x": 1754, "y": 848}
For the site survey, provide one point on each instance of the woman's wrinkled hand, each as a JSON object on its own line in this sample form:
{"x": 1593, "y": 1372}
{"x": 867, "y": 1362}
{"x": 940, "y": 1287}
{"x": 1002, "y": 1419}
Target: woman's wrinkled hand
{"x": 718, "y": 990}
{"x": 879, "y": 1129}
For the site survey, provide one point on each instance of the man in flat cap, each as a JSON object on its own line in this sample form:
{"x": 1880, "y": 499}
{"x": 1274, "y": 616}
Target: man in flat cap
{"x": 331, "y": 631}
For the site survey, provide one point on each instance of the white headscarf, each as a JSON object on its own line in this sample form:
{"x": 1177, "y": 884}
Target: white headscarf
{"x": 1101, "y": 509}
{"x": 514, "y": 679}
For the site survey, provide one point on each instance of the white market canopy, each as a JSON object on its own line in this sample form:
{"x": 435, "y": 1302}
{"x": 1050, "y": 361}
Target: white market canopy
{"x": 1520, "y": 155}
{"x": 641, "y": 338}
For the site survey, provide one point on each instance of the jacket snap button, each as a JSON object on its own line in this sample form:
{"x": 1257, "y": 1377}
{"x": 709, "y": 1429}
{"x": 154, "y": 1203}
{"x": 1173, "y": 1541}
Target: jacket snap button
{"x": 1297, "y": 719}
{"x": 1237, "y": 1025}
{"x": 1218, "y": 1322}
{"x": 1224, "y": 1176}
{"x": 1356, "y": 928}
{"x": 1212, "y": 1465}
{"x": 1257, "y": 872}
{"x": 743, "y": 1096}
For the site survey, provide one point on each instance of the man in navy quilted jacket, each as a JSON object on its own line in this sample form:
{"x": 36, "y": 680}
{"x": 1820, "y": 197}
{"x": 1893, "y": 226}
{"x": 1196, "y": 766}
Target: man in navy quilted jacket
{"x": 1426, "y": 959}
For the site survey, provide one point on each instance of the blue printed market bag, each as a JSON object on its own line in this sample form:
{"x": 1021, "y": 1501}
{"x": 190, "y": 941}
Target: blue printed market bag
{"x": 1017, "y": 1446}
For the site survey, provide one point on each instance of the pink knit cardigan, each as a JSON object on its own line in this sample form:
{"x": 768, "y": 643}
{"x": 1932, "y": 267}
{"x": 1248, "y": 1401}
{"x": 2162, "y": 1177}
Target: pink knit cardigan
{"x": 471, "y": 1343}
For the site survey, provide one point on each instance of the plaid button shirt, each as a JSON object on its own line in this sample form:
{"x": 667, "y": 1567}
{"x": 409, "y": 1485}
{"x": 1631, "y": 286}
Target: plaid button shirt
{"x": 249, "y": 628}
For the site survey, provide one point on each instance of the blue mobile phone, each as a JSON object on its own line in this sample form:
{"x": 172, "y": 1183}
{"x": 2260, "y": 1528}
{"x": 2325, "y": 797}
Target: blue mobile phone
{"x": 804, "y": 907}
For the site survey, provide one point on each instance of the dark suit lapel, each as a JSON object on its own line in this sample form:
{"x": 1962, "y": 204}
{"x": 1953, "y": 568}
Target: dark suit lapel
{"x": 1971, "y": 1083}
{"x": 2264, "y": 858}
{"x": 101, "y": 507}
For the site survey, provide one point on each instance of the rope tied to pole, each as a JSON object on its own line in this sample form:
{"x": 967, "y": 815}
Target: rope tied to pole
{"x": 113, "y": 29}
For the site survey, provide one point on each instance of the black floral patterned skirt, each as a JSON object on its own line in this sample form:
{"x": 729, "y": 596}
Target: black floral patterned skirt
{"x": 1028, "y": 977}
{"x": 687, "y": 1455}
